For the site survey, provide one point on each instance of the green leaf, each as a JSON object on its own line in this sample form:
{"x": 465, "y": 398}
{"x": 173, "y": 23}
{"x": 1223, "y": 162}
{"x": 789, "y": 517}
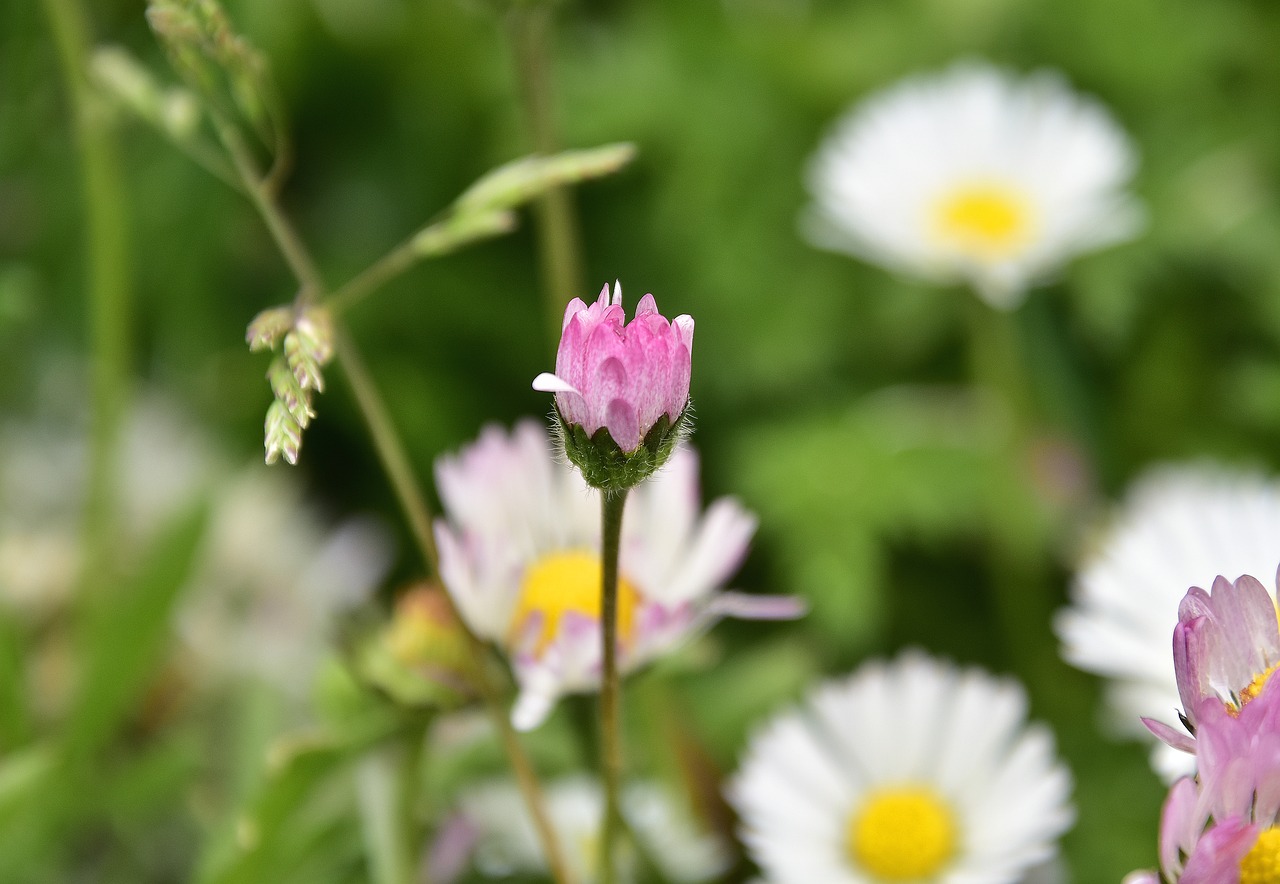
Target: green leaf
{"x": 528, "y": 177}
{"x": 277, "y": 826}
{"x": 127, "y": 628}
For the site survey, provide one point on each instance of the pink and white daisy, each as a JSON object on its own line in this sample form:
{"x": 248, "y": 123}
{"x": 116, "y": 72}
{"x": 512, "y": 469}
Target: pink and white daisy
{"x": 520, "y": 553}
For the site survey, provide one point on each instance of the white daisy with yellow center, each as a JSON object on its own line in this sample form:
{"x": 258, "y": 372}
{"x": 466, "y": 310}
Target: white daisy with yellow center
{"x": 520, "y": 553}
{"x": 907, "y": 771}
{"x": 974, "y": 175}
{"x": 1179, "y": 526}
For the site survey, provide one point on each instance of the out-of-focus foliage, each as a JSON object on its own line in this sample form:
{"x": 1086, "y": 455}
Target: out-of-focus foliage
{"x": 832, "y": 397}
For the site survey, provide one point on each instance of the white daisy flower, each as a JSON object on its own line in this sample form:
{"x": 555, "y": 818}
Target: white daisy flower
{"x": 520, "y": 553}
{"x": 507, "y": 842}
{"x": 1180, "y": 526}
{"x": 911, "y": 770}
{"x": 974, "y": 175}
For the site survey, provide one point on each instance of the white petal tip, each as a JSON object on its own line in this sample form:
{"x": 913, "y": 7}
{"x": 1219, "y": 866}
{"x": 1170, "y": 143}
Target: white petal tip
{"x": 550, "y": 383}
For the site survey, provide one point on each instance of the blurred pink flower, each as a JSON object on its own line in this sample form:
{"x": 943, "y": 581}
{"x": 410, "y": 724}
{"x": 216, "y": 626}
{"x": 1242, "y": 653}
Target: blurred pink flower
{"x": 621, "y": 376}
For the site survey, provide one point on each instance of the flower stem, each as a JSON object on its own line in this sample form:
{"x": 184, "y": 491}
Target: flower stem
{"x": 108, "y": 282}
{"x": 262, "y": 193}
{"x": 395, "y": 461}
{"x": 1017, "y": 570}
{"x": 558, "y": 239}
{"x": 611, "y": 508}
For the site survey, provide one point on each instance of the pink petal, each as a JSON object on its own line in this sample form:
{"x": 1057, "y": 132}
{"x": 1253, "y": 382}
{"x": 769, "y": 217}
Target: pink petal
{"x": 1170, "y": 736}
{"x": 744, "y": 606}
{"x": 624, "y": 427}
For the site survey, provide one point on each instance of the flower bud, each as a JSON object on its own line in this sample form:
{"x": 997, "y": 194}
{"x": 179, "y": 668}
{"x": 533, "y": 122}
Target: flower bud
{"x": 622, "y": 389}
{"x": 420, "y": 657}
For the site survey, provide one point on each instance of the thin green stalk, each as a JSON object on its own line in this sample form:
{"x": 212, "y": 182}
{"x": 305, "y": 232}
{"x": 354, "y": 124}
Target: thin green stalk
{"x": 395, "y": 461}
{"x": 387, "y": 444}
{"x": 382, "y": 778}
{"x": 375, "y": 276}
{"x": 107, "y": 281}
{"x": 611, "y": 509}
{"x": 263, "y": 195}
{"x": 558, "y": 238}
{"x": 1017, "y": 570}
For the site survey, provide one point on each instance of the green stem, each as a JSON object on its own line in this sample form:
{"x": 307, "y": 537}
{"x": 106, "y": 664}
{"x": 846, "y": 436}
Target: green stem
{"x": 558, "y": 239}
{"x": 611, "y": 509}
{"x": 375, "y": 276}
{"x": 383, "y": 777}
{"x": 1017, "y": 570}
{"x": 108, "y": 282}
{"x": 395, "y": 461}
{"x": 262, "y": 193}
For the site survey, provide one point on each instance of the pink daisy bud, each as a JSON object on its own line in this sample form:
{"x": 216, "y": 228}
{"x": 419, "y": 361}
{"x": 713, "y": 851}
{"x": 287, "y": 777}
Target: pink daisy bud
{"x": 622, "y": 389}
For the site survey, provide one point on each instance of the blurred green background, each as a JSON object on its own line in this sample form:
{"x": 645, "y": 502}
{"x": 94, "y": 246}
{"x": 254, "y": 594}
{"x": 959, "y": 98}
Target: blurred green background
{"x": 834, "y": 398}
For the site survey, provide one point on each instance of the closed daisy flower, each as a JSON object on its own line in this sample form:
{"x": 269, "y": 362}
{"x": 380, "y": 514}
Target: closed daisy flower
{"x": 1180, "y": 526}
{"x": 974, "y": 175}
{"x": 911, "y": 770}
{"x": 520, "y": 553}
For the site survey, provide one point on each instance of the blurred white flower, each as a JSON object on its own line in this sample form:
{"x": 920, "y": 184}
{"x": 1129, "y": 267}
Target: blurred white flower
{"x": 911, "y": 770}
{"x": 520, "y": 553}
{"x": 507, "y": 842}
{"x": 269, "y": 575}
{"x": 1179, "y": 526}
{"x": 974, "y": 175}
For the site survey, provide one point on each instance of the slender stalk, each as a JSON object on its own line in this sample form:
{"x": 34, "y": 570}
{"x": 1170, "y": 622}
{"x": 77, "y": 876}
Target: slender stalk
{"x": 374, "y": 277}
{"x": 611, "y": 508}
{"x": 558, "y": 238}
{"x": 386, "y": 442}
{"x": 395, "y": 461}
{"x": 108, "y": 281}
{"x": 382, "y": 778}
{"x": 263, "y": 196}
{"x": 1017, "y": 572}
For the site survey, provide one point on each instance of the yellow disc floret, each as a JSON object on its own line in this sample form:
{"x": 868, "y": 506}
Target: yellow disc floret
{"x": 902, "y": 834}
{"x": 1251, "y": 691}
{"x": 1261, "y": 865}
{"x": 986, "y": 220}
{"x": 568, "y": 582}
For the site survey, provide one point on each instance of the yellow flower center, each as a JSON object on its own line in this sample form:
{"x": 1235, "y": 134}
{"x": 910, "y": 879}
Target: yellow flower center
{"x": 1261, "y": 865}
{"x": 1251, "y": 691}
{"x": 902, "y": 834}
{"x": 986, "y": 220}
{"x": 569, "y": 582}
